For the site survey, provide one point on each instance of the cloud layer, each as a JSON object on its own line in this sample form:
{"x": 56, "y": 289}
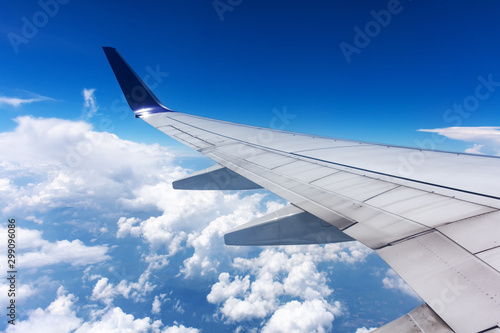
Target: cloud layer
{"x": 62, "y": 316}
{"x": 87, "y": 195}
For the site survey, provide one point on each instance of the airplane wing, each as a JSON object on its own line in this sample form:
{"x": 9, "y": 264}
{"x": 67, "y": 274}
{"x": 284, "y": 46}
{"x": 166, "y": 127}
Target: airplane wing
{"x": 432, "y": 216}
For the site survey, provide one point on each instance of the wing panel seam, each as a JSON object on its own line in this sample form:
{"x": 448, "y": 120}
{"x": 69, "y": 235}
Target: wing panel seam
{"x": 381, "y": 193}
{"x": 493, "y": 298}
{"x": 486, "y": 250}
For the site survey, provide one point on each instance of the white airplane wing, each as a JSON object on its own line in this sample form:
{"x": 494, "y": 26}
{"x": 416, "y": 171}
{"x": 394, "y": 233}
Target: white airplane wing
{"x": 432, "y": 216}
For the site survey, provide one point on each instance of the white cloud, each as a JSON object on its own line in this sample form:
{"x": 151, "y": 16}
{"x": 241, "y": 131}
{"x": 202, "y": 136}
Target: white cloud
{"x": 106, "y": 291}
{"x": 365, "y": 330}
{"x": 74, "y": 253}
{"x": 393, "y": 281}
{"x": 278, "y": 274}
{"x": 117, "y": 321}
{"x": 156, "y": 306}
{"x": 23, "y": 291}
{"x": 72, "y": 165}
{"x": 210, "y": 254}
{"x": 68, "y": 164}
{"x": 305, "y": 281}
{"x": 476, "y": 149}
{"x": 481, "y": 137}
{"x": 28, "y": 98}
{"x": 5, "y": 185}
{"x": 178, "y": 307}
{"x": 467, "y": 133}
{"x": 348, "y": 252}
{"x": 225, "y": 288}
{"x": 127, "y": 226}
{"x": 38, "y": 252}
{"x": 309, "y": 316}
{"x": 156, "y": 261}
{"x": 34, "y": 219}
{"x": 61, "y": 316}
{"x": 90, "y": 107}
{"x": 41, "y": 141}
{"x": 252, "y": 307}
{"x": 180, "y": 329}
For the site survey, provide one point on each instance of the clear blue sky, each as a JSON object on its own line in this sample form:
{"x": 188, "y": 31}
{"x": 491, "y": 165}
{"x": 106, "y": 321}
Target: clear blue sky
{"x": 104, "y": 238}
{"x": 265, "y": 55}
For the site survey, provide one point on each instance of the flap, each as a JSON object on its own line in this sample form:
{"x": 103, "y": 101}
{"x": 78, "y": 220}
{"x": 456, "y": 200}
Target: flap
{"x": 216, "y": 177}
{"x": 287, "y": 226}
{"x": 421, "y": 319}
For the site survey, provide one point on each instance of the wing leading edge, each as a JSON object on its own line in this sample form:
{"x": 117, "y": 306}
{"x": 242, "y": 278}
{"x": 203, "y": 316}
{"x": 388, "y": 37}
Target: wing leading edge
{"x": 437, "y": 224}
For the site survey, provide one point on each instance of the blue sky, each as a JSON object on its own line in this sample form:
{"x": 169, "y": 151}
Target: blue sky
{"x": 106, "y": 238}
{"x": 267, "y": 55}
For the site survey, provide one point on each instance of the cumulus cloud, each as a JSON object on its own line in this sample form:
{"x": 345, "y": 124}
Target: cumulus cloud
{"x": 279, "y": 274}
{"x": 393, "y": 281}
{"x": 476, "y": 149}
{"x": 74, "y": 253}
{"x": 482, "y": 136}
{"x": 75, "y": 166}
{"x": 309, "y": 316}
{"x": 156, "y": 306}
{"x": 128, "y": 226}
{"x": 38, "y": 252}
{"x": 67, "y": 163}
{"x": 24, "y": 97}
{"x": 225, "y": 288}
{"x": 210, "y": 254}
{"x": 305, "y": 281}
{"x": 115, "y": 320}
{"x": 61, "y": 316}
{"x": 106, "y": 291}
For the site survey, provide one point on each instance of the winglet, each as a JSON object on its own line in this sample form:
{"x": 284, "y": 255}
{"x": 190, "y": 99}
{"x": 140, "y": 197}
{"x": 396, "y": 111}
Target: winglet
{"x": 139, "y": 97}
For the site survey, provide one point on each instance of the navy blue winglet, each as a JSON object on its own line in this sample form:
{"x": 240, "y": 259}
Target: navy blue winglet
{"x": 140, "y": 99}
